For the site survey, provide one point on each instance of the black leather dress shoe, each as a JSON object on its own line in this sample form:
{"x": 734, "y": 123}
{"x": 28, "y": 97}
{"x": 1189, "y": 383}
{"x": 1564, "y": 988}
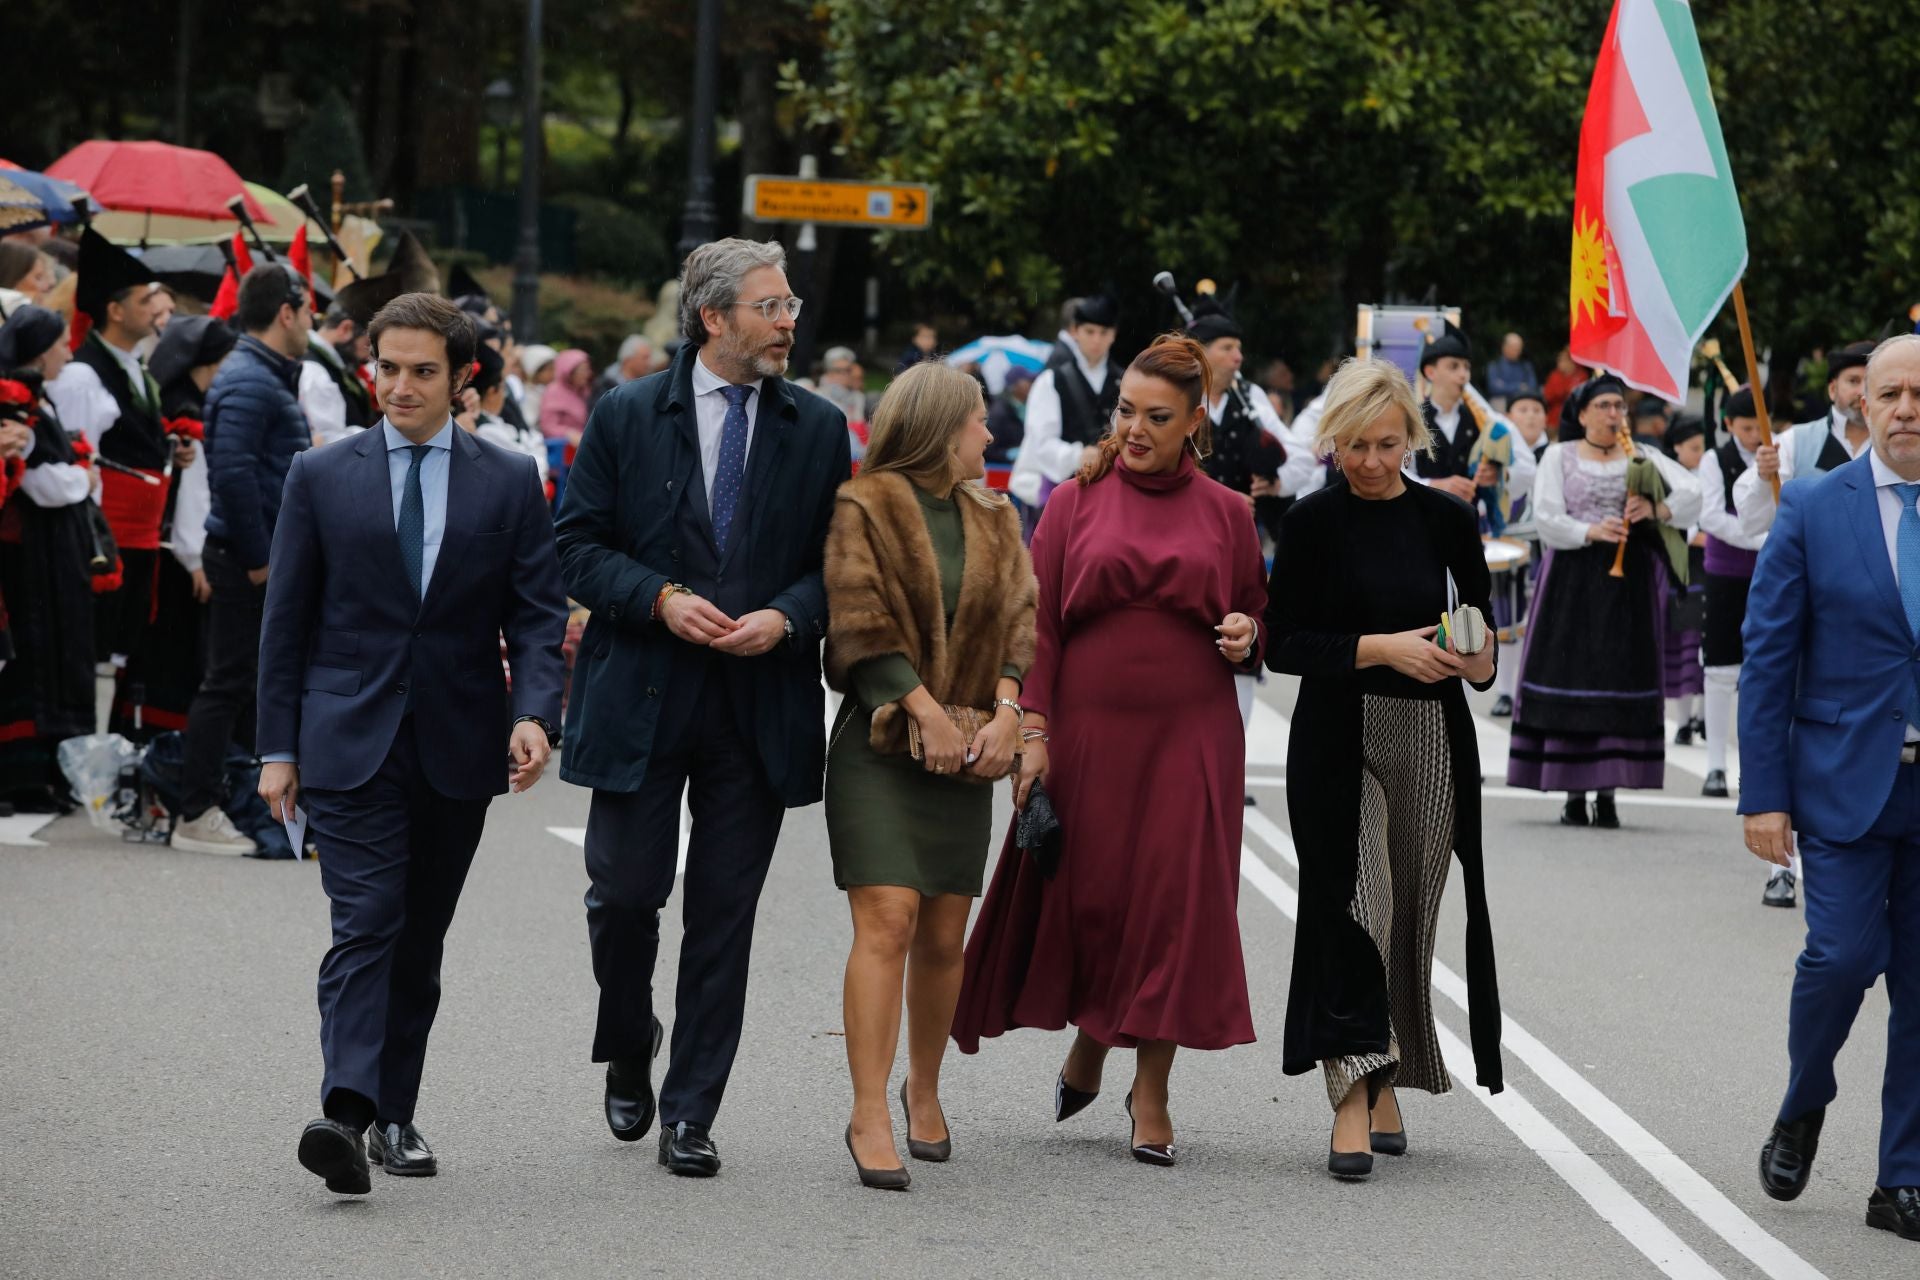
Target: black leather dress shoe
{"x": 1683, "y": 736}
{"x": 629, "y": 1100}
{"x": 1895, "y": 1209}
{"x": 1605, "y": 815}
{"x": 1786, "y": 1161}
{"x": 1780, "y": 890}
{"x": 1715, "y": 785}
{"x": 401, "y": 1150}
{"x": 336, "y": 1152}
{"x": 1502, "y": 706}
{"x": 1574, "y": 814}
{"x": 687, "y": 1149}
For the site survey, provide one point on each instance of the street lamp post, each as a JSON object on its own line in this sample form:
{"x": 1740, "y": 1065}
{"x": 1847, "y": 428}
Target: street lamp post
{"x": 697, "y": 219}
{"x": 526, "y": 261}
{"x": 500, "y": 113}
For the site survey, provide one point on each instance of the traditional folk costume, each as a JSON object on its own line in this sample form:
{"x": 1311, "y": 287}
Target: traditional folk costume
{"x": 1806, "y": 449}
{"x": 1069, "y": 407}
{"x": 1507, "y": 616}
{"x": 47, "y": 545}
{"x": 1682, "y": 679}
{"x": 1588, "y": 716}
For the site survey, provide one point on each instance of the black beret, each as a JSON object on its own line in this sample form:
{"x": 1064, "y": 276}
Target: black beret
{"x": 30, "y": 332}
{"x": 1852, "y": 356}
{"x": 1212, "y": 322}
{"x": 1739, "y": 405}
{"x": 1450, "y": 340}
{"x": 1099, "y": 309}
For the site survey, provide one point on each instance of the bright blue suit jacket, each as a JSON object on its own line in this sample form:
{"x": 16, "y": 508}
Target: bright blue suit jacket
{"x": 1829, "y": 661}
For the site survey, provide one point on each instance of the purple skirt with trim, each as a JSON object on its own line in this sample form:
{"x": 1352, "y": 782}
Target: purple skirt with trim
{"x": 1589, "y": 714}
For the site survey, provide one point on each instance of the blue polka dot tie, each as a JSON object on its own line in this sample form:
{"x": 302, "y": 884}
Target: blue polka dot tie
{"x": 731, "y": 472}
{"x": 413, "y": 519}
{"x": 1907, "y": 542}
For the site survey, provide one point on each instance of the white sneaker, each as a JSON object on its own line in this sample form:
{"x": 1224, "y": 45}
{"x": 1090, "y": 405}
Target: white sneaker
{"x": 211, "y": 832}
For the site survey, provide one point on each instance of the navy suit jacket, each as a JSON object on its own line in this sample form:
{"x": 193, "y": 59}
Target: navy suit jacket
{"x": 342, "y": 641}
{"x": 635, "y": 518}
{"x": 1829, "y": 661}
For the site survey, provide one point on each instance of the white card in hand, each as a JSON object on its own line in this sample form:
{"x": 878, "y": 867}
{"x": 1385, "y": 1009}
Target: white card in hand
{"x": 297, "y": 831}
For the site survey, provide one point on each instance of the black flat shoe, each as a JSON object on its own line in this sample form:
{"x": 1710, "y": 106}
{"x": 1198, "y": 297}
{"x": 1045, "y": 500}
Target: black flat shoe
{"x": 1786, "y": 1160}
{"x": 1780, "y": 890}
{"x": 629, "y": 1100}
{"x": 1160, "y": 1154}
{"x": 1715, "y": 785}
{"x": 1605, "y": 815}
{"x": 687, "y": 1150}
{"x": 933, "y": 1152}
{"x": 1575, "y": 813}
{"x": 336, "y": 1152}
{"x": 1502, "y": 707}
{"x": 1683, "y": 736}
{"x": 878, "y": 1179}
{"x": 1895, "y": 1209}
{"x": 1069, "y": 1101}
{"x": 401, "y": 1150}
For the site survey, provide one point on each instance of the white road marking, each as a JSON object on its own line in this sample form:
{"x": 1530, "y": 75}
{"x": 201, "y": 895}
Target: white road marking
{"x": 19, "y": 829}
{"x": 1610, "y": 1200}
{"x": 1623, "y": 798}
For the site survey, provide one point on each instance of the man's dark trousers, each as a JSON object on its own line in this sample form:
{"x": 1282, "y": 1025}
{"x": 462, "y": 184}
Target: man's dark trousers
{"x": 1863, "y": 920}
{"x": 224, "y": 701}
{"x": 633, "y": 843}
{"x": 394, "y": 854}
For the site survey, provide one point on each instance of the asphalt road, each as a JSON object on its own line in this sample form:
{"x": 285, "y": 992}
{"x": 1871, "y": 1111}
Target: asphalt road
{"x": 158, "y": 1055}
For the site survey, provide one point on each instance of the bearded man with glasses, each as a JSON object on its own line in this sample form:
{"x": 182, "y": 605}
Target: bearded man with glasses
{"x": 694, "y": 527}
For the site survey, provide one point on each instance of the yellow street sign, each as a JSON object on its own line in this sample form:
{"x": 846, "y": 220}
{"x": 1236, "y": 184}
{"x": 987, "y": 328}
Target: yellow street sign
{"x": 890, "y": 206}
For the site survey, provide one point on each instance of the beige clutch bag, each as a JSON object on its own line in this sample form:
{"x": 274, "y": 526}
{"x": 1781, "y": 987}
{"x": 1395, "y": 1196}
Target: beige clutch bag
{"x": 969, "y": 721}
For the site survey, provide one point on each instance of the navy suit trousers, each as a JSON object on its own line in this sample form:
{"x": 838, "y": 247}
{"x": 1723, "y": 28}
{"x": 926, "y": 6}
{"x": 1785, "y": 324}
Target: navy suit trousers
{"x": 633, "y": 845}
{"x": 1863, "y": 920}
{"x": 394, "y": 854}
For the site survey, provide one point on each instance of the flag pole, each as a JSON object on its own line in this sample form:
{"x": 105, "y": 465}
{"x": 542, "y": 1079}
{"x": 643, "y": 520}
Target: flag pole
{"x": 1753, "y": 374}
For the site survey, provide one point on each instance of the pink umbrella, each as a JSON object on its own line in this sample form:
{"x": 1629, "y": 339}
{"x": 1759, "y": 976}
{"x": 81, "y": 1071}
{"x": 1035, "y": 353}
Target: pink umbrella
{"x": 156, "y": 177}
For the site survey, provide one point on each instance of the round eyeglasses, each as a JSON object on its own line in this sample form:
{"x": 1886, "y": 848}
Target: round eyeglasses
{"x": 770, "y": 308}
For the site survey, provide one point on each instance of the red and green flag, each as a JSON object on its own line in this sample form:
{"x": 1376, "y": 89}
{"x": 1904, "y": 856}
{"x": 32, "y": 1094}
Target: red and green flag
{"x": 1658, "y": 239}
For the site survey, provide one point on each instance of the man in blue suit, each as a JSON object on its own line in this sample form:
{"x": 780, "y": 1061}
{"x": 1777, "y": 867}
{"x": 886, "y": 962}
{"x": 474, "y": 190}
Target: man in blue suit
{"x": 694, "y": 527}
{"x": 400, "y": 560}
{"x": 1829, "y": 740}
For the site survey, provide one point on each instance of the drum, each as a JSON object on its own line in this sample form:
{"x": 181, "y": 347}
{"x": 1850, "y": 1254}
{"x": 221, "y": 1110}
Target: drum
{"x": 1507, "y": 562}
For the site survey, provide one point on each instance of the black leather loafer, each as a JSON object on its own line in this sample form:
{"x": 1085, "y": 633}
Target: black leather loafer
{"x": 1786, "y": 1161}
{"x": 336, "y": 1152}
{"x": 687, "y": 1150}
{"x": 1780, "y": 890}
{"x": 401, "y": 1150}
{"x": 1895, "y": 1209}
{"x": 1605, "y": 815}
{"x": 629, "y": 1100}
{"x": 1502, "y": 707}
{"x": 1574, "y": 813}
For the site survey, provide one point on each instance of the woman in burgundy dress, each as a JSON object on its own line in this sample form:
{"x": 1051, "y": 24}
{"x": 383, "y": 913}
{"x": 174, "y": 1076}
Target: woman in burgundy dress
{"x": 1150, "y": 581}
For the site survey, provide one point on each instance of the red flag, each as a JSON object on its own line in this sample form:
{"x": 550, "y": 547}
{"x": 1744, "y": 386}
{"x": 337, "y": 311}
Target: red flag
{"x": 303, "y": 263}
{"x": 227, "y": 300}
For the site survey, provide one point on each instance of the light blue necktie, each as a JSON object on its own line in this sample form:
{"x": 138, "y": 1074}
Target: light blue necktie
{"x": 413, "y": 520}
{"x": 1907, "y": 542}
{"x": 731, "y": 471}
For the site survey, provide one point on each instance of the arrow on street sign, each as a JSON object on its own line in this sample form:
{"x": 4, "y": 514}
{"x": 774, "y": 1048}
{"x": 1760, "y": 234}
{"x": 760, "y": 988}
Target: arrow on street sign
{"x": 888, "y": 206}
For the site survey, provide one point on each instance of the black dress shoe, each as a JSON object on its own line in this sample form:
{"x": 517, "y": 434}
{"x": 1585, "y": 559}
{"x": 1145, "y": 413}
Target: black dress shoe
{"x": 1502, "y": 706}
{"x": 1069, "y": 1101}
{"x": 1786, "y": 1161}
{"x": 1389, "y": 1144}
{"x": 687, "y": 1150}
{"x": 1716, "y": 784}
{"x": 1605, "y": 815}
{"x": 630, "y": 1102}
{"x": 1350, "y": 1166}
{"x": 1780, "y": 890}
{"x": 336, "y": 1152}
{"x": 401, "y": 1150}
{"x": 1683, "y": 736}
{"x": 1575, "y": 812}
{"x": 1895, "y": 1209}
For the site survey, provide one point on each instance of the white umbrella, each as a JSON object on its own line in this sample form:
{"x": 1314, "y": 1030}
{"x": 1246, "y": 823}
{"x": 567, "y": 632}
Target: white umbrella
{"x": 996, "y": 355}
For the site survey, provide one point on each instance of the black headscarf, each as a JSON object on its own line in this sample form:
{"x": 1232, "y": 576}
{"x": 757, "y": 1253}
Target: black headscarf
{"x": 30, "y": 332}
{"x": 1582, "y": 396}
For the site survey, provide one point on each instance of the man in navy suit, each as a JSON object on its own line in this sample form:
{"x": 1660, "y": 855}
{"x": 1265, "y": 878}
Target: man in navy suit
{"x": 400, "y": 560}
{"x": 694, "y": 527}
{"x": 1829, "y": 740}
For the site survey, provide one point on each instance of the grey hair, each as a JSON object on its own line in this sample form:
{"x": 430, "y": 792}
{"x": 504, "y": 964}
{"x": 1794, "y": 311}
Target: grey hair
{"x": 711, "y": 277}
{"x": 1889, "y": 344}
{"x": 631, "y": 346}
{"x": 839, "y": 355}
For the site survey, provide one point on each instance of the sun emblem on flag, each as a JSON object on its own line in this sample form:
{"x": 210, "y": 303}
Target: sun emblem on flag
{"x": 1589, "y": 289}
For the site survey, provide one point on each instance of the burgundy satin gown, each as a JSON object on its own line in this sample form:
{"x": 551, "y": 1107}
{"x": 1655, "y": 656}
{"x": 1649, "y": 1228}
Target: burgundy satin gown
{"x": 1136, "y": 937}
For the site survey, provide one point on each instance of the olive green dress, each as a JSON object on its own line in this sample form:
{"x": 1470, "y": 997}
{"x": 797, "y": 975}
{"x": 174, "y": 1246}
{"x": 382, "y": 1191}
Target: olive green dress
{"x": 890, "y": 821}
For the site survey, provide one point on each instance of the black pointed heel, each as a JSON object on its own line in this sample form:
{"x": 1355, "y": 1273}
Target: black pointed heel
{"x": 878, "y": 1179}
{"x": 933, "y": 1152}
{"x": 1069, "y": 1101}
{"x": 1160, "y": 1154}
{"x": 1390, "y": 1144}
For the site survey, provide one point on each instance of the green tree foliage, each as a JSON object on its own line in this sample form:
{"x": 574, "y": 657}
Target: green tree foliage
{"x": 328, "y": 139}
{"x": 1324, "y": 153}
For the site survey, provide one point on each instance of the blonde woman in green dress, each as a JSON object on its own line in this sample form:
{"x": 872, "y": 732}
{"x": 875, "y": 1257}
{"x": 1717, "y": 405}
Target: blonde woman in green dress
{"x": 930, "y": 599}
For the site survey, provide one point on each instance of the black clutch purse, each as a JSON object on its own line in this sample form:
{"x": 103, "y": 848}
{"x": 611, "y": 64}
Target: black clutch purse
{"x": 1036, "y": 830}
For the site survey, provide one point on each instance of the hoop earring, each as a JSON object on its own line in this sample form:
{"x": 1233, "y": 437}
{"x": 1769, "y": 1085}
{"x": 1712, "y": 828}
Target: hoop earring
{"x": 1194, "y": 445}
